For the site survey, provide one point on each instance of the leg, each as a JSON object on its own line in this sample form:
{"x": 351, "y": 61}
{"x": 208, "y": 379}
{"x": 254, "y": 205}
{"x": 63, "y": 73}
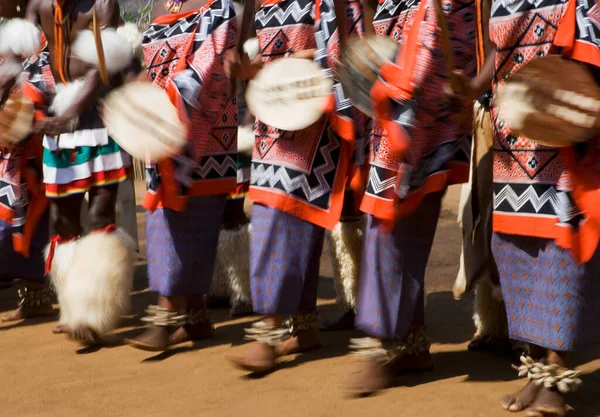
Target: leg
{"x": 100, "y": 275}
{"x": 391, "y": 297}
{"x": 345, "y": 243}
{"x": 101, "y": 213}
{"x": 536, "y": 272}
{"x": 181, "y": 258}
{"x": 35, "y": 298}
{"x": 65, "y": 224}
{"x": 284, "y": 270}
{"x": 232, "y": 273}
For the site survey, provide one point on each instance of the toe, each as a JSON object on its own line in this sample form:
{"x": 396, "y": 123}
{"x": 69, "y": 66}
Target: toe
{"x": 516, "y": 406}
{"x": 508, "y": 401}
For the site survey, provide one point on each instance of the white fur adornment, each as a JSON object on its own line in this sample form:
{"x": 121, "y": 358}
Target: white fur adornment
{"x": 95, "y": 288}
{"x": 117, "y": 53}
{"x": 346, "y": 242}
{"x": 130, "y": 33}
{"x": 252, "y": 48}
{"x": 61, "y": 262}
{"x": 66, "y": 96}
{"x": 10, "y": 69}
{"x": 490, "y": 314}
{"x": 19, "y": 37}
{"x": 232, "y": 273}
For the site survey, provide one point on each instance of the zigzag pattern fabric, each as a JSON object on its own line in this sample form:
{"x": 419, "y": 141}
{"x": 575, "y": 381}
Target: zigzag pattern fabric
{"x": 184, "y": 56}
{"x": 439, "y": 144}
{"x": 534, "y": 184}
{"x": 301, "y": 173}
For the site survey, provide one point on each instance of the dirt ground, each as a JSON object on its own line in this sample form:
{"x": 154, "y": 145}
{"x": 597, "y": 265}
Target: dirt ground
{"x": 45, "y": 375}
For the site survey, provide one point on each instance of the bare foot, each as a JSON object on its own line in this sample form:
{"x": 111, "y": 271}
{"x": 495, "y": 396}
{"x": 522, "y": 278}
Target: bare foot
{"x": 155, "y": 339}
{"x": 548, "y": 403}
{"x": 257, "y": 358}
{"x": 520, "y": 400}
{"x": 304, "y": 341}
{"x": 61, "y": 328}
{"x": 241, "y": 309}
{"x": 188, "y": 332}
{"x": 369, "y": 378}
{"x": 85, "y": 336}
{"x": 345, "y": 322}
{"x": 28, "y": 312}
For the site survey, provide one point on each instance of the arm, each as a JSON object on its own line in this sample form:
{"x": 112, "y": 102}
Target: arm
{"x": 108, "y": 16}
{"x": 369, "y": 11}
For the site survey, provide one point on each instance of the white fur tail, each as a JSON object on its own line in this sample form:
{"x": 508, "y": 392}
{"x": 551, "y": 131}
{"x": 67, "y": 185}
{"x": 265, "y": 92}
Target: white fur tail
{"x": 232, "y": 272}
{"x": 61, "y": 262}
{"x": 346, "y": 242}
{"x": 95, "y": 289}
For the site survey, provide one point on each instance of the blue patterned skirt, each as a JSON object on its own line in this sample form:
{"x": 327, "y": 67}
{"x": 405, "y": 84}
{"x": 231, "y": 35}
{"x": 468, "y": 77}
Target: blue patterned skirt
{"x": 182, "y": 246}
{"x": 284, "y": 262}
{"x": 392, "y": 277}
{"x": 551, "y": 301}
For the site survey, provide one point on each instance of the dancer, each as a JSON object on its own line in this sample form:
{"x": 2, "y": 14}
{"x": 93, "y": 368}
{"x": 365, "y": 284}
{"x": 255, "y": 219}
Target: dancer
{"x": 92, "y": 275}
{"x": 187, "y": 50}
{"x": 545, "y": 237}
{"x": 23, "y": 207}
{"x": 297, "y": 185}
{"x": 413, "y": 160}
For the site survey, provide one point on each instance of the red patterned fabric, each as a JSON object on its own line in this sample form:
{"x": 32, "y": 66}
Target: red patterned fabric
{"x": 541, "y": 191}
{"x": 418, "y": 145}
{"x": 184, "y": 56}
{"x": 22, "y": 196}
{"x": 301, "y": 173}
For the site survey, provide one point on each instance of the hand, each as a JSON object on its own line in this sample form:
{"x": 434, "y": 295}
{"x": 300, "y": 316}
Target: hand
{"x": 53, "y": 126}
{"x": 232, "y": 63}
{"x": 460, "y": 93}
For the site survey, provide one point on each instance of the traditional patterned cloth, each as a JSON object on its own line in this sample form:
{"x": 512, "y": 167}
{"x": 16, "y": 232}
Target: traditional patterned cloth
{"x": 418, "y": 145}
{"x": 22, "y": 199}
{"x": 184, "y": 56}
{"x": 391, "y": 290}
{"x": 301, "y": 173}
{"x": 284, "y": 262}
{"x": 551, "y": 300}
{"x": 541, "y": 191}
{"x": 182, "y": 246}
{"x": 346, "y": 120}
{"x": 81, "y": 160}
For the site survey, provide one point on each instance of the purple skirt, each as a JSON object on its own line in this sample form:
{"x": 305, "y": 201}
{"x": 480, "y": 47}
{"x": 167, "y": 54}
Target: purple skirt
{"x": 15, "y": 266}
{"x": 392, "y": 277}
{"x": 551, "y": 301}
{"x": 284, "y": 262}
{"x": 182, "y": 246}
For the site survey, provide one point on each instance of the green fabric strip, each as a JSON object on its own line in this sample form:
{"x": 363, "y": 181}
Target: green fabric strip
{"x": 62, "y": 158}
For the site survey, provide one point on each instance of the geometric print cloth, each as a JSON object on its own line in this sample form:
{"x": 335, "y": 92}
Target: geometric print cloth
{"x": 184, "y": 56}
{"x": 439, "y": 141}
{"x": 302, "y": 172}
{"x": 284, "y": 262}
{"x": 551, "y": 300}
{"x": 534, "y": 184}
{"x": 182, "y": 246}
